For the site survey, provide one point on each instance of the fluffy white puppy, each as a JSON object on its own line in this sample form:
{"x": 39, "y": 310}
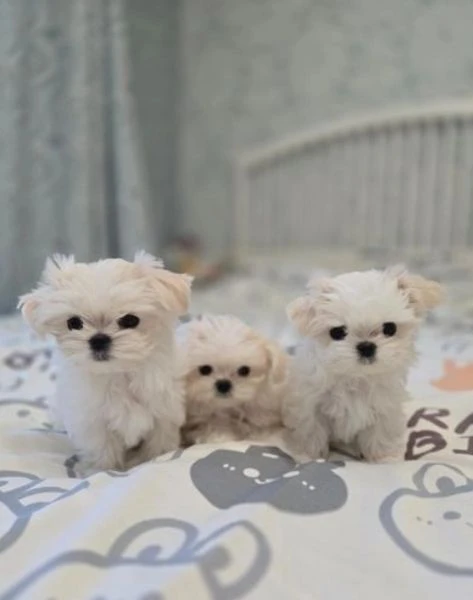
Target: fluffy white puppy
{"x": 349, "y": 373}
{"x": 119, "y": 395}
{"x": 235, "y": 380}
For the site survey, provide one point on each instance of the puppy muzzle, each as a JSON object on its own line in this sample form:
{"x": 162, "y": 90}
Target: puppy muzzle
{"x": 366, "y": 352}
{"x": 223, "y": 387}
{"x": 100, "y": 345}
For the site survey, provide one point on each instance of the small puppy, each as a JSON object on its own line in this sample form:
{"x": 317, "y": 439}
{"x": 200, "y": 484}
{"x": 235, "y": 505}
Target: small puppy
{"x": 234, "y": 381}
{"x": 119, "y": 395}
{"x": 349, "y": 374}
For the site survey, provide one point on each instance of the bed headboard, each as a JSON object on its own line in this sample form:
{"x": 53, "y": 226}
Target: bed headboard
{"x": 400, "y": 181}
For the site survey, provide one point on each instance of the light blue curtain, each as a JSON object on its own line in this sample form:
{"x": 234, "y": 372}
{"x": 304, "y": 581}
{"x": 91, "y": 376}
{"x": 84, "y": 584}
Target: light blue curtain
{"x": 72, "y": 173}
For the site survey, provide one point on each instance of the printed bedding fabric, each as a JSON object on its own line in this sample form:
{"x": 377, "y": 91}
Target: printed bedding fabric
{"x": 239, "y": 520}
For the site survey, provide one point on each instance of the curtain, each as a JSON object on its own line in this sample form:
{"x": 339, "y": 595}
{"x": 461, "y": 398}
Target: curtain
{"x": 72, "y": 175}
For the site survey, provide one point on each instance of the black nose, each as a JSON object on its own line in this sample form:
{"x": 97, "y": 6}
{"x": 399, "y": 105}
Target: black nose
{"x": 100, "y": 342}
{"x": 366, "y": 349}
{"x": 223, "y": 386}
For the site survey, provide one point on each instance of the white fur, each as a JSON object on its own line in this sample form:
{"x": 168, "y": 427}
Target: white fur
{"x": 108, "y": 407}
{"x": 335, "y": 396}
{"x": 252, "y": 409}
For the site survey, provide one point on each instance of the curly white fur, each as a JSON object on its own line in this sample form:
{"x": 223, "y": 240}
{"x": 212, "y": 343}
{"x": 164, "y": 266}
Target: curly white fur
{"x": 224, "y": 349}
{"x": 121, "y": 404}
{"x": 339, "y": 395}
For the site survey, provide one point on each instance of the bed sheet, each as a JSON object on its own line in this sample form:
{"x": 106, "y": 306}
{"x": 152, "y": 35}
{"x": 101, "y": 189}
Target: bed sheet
{"x": 239, "y": 520}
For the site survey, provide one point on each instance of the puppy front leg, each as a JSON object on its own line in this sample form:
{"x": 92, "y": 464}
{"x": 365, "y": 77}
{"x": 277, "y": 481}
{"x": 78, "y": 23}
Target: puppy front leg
{"x": 101, "y": 450}
{"x": 309, "y": 439}
{"x": 164, "y": 437}
{"x": 383, "y": 441}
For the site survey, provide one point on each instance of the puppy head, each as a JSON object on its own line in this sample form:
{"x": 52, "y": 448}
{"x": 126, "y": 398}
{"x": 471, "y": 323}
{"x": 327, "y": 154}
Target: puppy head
{"x": 227, "y": 363}
{"x": 365, "y": 322}
{"x": 106, "y": 315}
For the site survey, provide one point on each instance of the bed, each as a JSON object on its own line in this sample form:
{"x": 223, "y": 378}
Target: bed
{"x": 242, "y": 520}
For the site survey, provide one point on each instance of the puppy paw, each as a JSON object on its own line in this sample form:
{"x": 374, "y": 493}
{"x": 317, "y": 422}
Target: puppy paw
{"x": 88, "y": 466}
{"x": 300, "y": 458}
{"x": 85, "y": 468}
{"x": 392, "y": 455}
{"x": 305, "y": 450}
{"x": 386, "y": 458}
{"x": 376, "y": 447}
{"x": 308, "y": 454}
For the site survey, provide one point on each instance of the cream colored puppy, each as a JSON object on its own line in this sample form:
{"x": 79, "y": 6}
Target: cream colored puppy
{"x": 235, "y": 380}
{"x": 349, "y": 373}
{"x": 119, "y": 395}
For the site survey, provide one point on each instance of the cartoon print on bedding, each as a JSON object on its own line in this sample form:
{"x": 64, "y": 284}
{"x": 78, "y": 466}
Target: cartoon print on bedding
{"x": 26, "y": 414}
{"x": 433, "y": 521}
{"x": 145, "y": 556}
{"x": 20, "y": 367}
{"x": 72, "y": 465}
{"x": 20, "y": 361}
{"x": 21, "y": 496}
{"x": 26, "y": 379}
{"x": 269, "y": 475}
{"x": 455, "y": 377}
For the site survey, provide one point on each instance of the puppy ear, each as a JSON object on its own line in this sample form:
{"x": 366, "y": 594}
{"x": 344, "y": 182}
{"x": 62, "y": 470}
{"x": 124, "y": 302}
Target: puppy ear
{"x": 423, "y": 294}
{"x": 198, "y": 330}
{"x": 30, "y": 305}
{"x": 57, "y": 270}
{"x": 301, "y": 312}
{"x": 145, "y": 259}
{"x": 172, "y": 289}
{"x": 320, "y": 285}
{"x": 277, "y": 364}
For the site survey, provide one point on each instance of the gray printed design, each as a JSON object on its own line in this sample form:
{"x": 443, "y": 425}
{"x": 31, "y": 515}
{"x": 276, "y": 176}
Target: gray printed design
{"x": 72, "y": 466}
{"x": 23, "y": 374}
{"x": 19, "y": 366}
{"x": 268, "y": 475}
{"x": 432, "y": 521}
{"x": 31, "y": 414}
{"x": 21, "y": 361}
{"x": 147, "y": 552}
{"x": 21, "y": 496}
{"x": 457, "y": 344}
{"x": 13, "y": 384}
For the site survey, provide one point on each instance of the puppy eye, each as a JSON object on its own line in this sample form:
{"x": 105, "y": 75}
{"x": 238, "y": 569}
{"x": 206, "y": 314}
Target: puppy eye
{"x": 244, "y": 371}
{"x": 389, "y": 329}
{"x": 205, "y": 370}
{"x": 128, "y": 322}
{"x": 338, "y": 333}
{"x": 75, "y": 323}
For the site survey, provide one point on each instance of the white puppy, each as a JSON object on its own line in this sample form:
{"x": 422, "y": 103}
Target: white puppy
{"x": 235, "y": 380}
{"x": 349, "y": 373}
{"x": 118, "y": 386}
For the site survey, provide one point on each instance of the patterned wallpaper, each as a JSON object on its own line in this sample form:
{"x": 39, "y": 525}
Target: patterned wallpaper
{"x": 253, "y": 71}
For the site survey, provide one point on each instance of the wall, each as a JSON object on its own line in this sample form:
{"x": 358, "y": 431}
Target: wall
{"x": 253, "y": 71}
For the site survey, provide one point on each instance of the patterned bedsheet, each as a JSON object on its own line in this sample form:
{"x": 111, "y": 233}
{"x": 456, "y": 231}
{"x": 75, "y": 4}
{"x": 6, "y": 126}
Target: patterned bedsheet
{"x": 239, "y": 520}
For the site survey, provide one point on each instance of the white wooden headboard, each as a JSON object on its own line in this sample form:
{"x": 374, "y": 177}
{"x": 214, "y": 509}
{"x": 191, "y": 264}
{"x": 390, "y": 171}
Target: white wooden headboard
{"x": 398, "y": 181}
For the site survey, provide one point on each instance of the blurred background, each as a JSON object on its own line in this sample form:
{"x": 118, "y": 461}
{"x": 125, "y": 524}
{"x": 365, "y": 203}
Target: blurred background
{"x": 214, "y": 132}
